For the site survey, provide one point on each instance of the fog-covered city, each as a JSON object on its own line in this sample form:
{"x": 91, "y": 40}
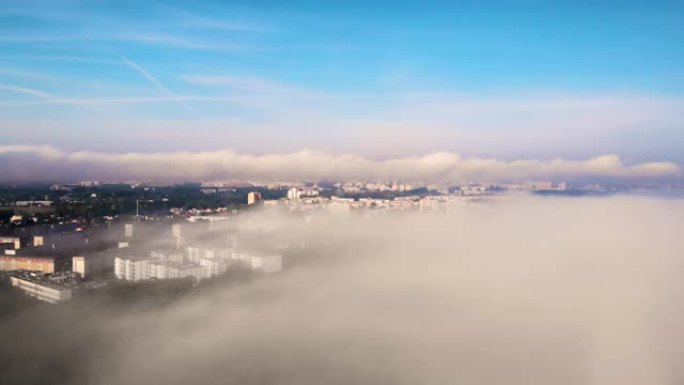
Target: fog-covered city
{"x": 514, "y": 290}
{"x": 341, "y": 192}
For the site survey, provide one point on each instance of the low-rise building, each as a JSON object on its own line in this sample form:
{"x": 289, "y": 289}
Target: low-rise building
{"x": 17, "y": 262}
{"x": 42, "y": 288}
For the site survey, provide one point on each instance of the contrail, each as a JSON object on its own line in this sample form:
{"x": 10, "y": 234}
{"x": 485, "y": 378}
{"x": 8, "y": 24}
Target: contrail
{"x": 156, "y": 83}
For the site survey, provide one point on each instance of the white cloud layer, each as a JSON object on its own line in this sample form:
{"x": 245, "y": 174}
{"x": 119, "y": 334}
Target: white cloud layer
{"x": 49, "y": 163}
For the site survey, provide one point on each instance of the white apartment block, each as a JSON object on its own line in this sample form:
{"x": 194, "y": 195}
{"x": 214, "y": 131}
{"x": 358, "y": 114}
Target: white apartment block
{"x": 135, "y": 269}
{"x": 78, "y": 265}
{"x": 43, "y": 291}
{"x": 131, "y": 269}
{"x": 298, "y": 193}
{"x": 201, "y": 263}
{"x": 294, "y": 193}
{"x": 212, "y": 267}
{"x": 269, "y": 263}
{"x": 185, "y": 271}
{"x": 158, "y": 269}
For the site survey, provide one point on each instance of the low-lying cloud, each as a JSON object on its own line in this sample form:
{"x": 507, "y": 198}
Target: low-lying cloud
{"x": 26, "y": 162}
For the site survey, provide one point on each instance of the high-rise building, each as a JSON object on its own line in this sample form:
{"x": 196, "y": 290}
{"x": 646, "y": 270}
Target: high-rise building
{"x": 92, "y": 264}
{"x": 128, "y": 230}
{"x": 176, "y": 230}
{"x": 131, "y": 268}
{"x": 294, "y": 193}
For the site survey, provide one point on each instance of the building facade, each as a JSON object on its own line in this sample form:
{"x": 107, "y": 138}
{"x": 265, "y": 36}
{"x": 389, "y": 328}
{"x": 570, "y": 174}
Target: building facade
{"x": 90, "y": 265}
{"x": 131, "y": 269}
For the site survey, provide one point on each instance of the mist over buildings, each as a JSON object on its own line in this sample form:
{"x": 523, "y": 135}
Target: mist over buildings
{"x": 518, "y": 290}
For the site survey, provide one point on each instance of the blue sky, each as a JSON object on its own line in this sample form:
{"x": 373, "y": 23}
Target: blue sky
{"x": 503, "y": 79}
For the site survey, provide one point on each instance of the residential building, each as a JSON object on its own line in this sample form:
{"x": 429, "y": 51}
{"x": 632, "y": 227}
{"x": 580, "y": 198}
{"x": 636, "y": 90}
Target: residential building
{"x": 253, "y": 197}
{"x": 15, "y": 262}
{"x": 89, "y": 265}
{"x": 294, "y": 193}
{"x": 14, "y": 241}
{"x": 42, "y": 288}
{"x": 131, "y": 268}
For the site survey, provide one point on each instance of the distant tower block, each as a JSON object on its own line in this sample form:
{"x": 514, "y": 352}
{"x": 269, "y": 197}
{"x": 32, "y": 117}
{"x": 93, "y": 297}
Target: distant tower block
{"x": 253, "y": 197}
{"x": 176, "y": 233}
{"x": 294, "y": 193}
{"x": 176, "y": 230}
{"x": 128, "y": 230}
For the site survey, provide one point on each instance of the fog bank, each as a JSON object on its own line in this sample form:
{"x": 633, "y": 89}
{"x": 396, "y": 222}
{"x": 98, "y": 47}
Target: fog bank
{"x": 516, "y": 291}
{"x": 41, "y": 163}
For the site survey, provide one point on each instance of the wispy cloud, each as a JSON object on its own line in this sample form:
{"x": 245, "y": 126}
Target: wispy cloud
{"x": 20, "y": 73}
{"x": 242, "y": 99}
{"x": 252, "y": 85}
{"x": 174, "y": 41}
{"x": 202, "y": 22}
{"x": 23, "y": 39}
{"x": 26, "y": 91}
{"x": 244, "y": 83}
{"x": 195, "y": 21}
{"x": 78, "y": 23}
{"x": 123, "y": 100}
{"x": 64, "y": 58}
{"x": 148, "y": 38}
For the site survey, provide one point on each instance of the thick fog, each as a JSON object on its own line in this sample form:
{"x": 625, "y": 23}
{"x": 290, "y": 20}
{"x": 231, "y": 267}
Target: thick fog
{"x": 518, "y": 290}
